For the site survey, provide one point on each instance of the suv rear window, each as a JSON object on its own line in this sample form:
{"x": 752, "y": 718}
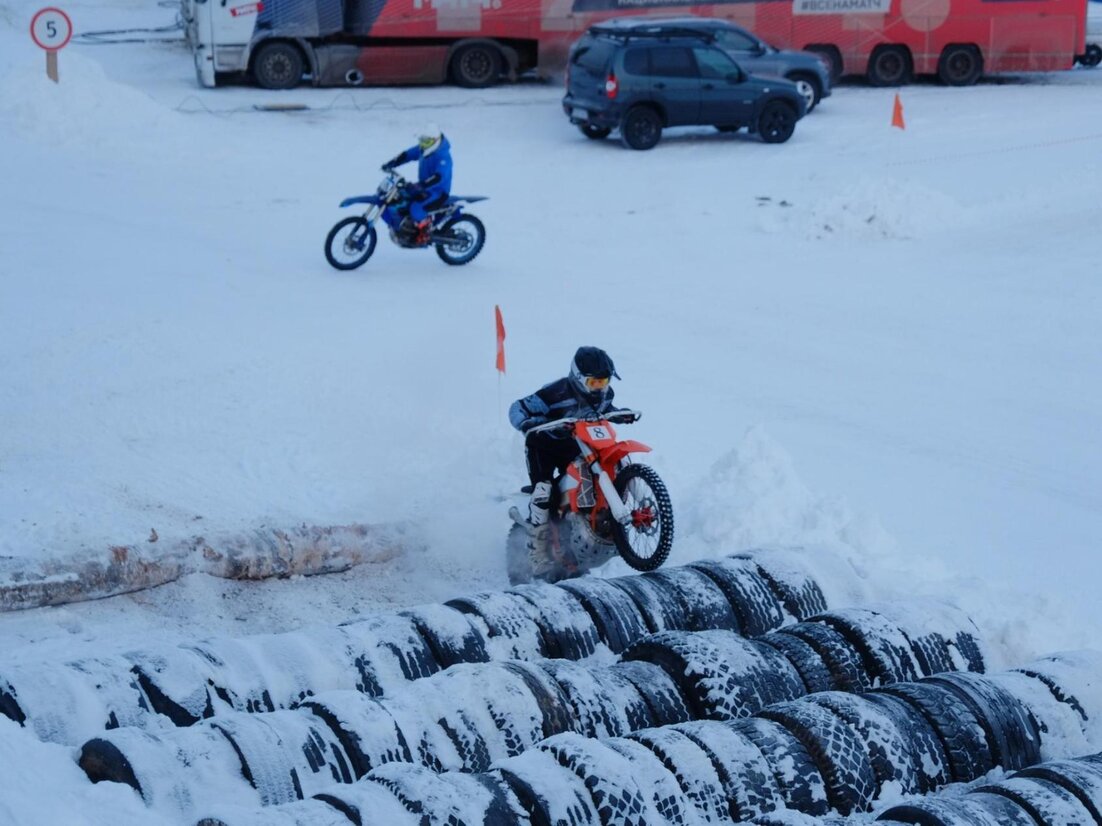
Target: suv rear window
{"x": 593, "y": 55}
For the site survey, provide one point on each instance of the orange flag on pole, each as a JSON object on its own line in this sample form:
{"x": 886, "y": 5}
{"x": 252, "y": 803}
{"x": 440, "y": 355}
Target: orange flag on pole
{"x": 500, "y": 339}
{"x": 897, "y": 113}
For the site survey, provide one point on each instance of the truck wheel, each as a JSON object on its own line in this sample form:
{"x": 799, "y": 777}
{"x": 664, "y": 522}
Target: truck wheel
{"x": 1092, "y": 57}
{"x": 476, "y": 66}
{"x": 641, "y": 128}
{"x": 960, "y": 65}
{"x": 889, "y": 66}
{"x": 777, "y": 122}
{"x": 278, "y": 66}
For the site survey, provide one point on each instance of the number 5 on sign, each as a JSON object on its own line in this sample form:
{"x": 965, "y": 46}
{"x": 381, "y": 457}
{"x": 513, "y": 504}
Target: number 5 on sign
{"x": 51, "y": 30}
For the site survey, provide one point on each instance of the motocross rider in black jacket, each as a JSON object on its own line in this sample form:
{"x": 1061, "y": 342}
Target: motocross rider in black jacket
{"x": 586, "y": 391}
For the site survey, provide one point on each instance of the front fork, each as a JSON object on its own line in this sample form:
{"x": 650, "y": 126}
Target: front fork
{"x": 620, "y": 512}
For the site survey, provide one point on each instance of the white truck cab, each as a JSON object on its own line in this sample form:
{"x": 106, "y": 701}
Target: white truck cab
{"x": 219, "y": 33}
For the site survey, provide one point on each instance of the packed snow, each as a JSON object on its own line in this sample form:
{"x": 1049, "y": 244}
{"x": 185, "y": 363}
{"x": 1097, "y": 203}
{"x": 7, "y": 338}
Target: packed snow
{"x": 879, "y": 346}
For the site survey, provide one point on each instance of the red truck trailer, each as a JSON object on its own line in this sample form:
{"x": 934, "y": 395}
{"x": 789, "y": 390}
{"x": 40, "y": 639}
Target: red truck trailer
{"x": 281, "y": 43}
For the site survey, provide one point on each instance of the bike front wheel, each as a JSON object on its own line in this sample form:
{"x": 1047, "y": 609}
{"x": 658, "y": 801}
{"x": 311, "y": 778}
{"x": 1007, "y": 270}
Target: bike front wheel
{"x": 350, "y": 243}
{"x": 645, "y": 541}
{"x": 462, "y": 240}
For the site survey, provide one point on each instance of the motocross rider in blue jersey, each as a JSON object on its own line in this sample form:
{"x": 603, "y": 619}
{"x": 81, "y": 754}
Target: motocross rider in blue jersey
{"x": 434, "y": 182}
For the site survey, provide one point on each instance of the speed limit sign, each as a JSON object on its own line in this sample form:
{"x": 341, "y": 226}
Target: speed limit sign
{"x": 51, "y": 29}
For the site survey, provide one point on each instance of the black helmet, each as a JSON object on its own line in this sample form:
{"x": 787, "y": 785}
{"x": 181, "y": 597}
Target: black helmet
{"x": 591, "y": 371}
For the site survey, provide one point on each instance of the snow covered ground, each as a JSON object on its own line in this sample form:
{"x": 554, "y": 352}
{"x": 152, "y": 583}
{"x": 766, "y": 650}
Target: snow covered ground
{"x": 882, "y": 345}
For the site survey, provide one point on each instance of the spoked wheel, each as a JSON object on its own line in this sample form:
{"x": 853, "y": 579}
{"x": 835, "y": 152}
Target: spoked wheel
{"x": 466, "y": 235}
{"x": 350, "y": 243}
{"x": 645, "y": 541}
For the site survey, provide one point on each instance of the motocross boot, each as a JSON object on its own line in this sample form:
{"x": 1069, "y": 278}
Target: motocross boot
{"x": 539, "y": 532}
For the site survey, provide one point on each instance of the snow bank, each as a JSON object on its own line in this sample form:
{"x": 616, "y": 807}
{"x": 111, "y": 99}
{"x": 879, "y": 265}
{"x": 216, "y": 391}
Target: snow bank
{"x": 85, "y": 110}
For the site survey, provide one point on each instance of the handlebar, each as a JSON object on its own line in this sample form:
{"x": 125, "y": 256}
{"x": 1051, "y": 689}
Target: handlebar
{"x": 624, "y": 416}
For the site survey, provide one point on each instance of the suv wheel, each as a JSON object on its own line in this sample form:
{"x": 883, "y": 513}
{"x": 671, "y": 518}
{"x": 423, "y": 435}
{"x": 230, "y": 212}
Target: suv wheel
{"x": 641, "y": 128}
{"x": 777, "y": 122}
{"x": 594, "y": 133}
{"x": 809, "y": 90}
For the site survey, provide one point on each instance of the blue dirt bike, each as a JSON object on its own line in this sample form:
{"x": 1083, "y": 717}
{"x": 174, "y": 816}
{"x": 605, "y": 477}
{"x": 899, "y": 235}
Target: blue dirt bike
{"x": 458, "y": 236}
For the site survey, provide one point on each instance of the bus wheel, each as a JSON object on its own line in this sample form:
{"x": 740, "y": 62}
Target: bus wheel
{"x": 889, "y": 66}
{"x": 960, "y": 65}
{"x": 277, "y": 65}
{"x": 476, "y": 66}
{"x": 1092, "y": 57}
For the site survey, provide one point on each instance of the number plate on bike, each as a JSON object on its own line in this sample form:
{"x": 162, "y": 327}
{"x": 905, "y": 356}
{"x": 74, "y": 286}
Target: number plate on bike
{"x": 598, "y": 432}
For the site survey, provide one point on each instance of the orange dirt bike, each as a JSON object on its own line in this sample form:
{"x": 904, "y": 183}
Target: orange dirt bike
{"x": 603, "y": 504}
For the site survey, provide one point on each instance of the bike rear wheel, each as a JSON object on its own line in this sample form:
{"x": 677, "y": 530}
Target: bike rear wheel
{"x": 465, "y": 237}
{"x": 350, "y": 243}
{"x": 646, "y": 540}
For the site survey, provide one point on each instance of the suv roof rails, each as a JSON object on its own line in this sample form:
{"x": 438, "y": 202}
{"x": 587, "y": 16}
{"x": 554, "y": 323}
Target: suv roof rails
{"x": 651, "y": 30}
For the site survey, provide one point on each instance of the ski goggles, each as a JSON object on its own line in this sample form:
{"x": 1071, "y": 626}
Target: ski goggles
{"x": 596, "y": 382}
{"x": 426, "y": 141}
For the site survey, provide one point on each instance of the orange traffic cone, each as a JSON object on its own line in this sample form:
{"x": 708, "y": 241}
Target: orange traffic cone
{"x": 897, "y": 113}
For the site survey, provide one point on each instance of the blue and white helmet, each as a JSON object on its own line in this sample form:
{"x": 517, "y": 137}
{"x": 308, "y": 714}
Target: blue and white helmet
{"x": 591, "y": 371}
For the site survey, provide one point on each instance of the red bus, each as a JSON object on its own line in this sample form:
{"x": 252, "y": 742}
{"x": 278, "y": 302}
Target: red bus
{"x": 279, "y": 43}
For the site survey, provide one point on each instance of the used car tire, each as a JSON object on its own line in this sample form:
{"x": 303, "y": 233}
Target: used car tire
{"x": 960, "y": 65}
{"x": 450, "y": 634}
{"x": 568, "y": 627}
{"x": 615, "y": 614}
{"x": 837, "y": 749}
{"x": 278, "y": 65}
{"x": 641, "y": 128}
{"x": 755, "y": 604}
{"x": 691, "y": 767}
{"x": 659, "y": 691}
{"x": 797, "y": 776}
{"x": 706, "y": 606}
{"x": 747, "y": 778}
{"x": 790, "y": 580}
{"x": 962, "y": 735}
{"x": 889, "y": 66}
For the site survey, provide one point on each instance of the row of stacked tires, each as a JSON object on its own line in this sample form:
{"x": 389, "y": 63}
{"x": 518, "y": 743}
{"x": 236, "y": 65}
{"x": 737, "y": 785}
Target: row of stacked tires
{"x": 378, "y": 656}
{"x": 823, "y": 758}
{"x": 471, "y": 716}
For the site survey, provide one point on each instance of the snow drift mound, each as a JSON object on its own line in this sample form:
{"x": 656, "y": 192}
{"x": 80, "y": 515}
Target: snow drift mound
{"x": 85, "y": 109}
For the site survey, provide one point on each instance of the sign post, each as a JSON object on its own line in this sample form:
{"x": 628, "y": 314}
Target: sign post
{"x": 51, "y": 29}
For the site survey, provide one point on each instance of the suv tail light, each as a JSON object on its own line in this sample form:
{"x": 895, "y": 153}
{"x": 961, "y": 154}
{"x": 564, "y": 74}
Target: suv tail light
{"x": 612, "y": 86}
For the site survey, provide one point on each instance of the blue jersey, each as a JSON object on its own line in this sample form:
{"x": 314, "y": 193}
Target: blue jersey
{"x": 434, "y": 170}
